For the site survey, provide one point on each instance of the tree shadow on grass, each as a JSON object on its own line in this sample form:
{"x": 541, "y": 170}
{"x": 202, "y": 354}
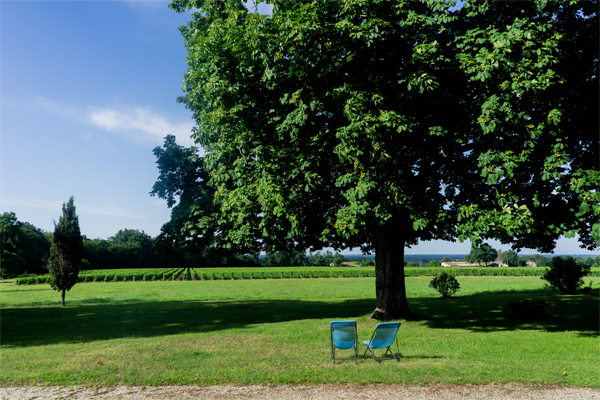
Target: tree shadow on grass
{"x": 98, "y": 320}
{"x": 486, "y": 312}
{"x": 36, "y": 326}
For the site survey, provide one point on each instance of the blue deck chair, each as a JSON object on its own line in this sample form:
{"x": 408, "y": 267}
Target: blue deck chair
{"x": 382, "y": 338}
{"x": 344, "y": 336}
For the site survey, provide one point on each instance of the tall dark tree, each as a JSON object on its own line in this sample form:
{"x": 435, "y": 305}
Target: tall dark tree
{"x": 66, "y": 252}
{"x": 380, "y": 124}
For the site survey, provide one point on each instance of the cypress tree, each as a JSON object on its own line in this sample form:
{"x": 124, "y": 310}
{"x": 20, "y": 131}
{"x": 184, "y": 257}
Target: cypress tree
{"x": 66, "y": 252}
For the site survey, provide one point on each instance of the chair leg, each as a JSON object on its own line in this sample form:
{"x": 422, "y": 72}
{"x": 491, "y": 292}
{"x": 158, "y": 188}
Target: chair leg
{"x": 372, "y": 353}
{"x": 333, "y": 353}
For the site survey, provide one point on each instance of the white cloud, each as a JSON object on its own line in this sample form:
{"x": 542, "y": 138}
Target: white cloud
{"x": 65, "y": 111}
{"x": 82, "y": 209}
{"x": 139, "y": 124}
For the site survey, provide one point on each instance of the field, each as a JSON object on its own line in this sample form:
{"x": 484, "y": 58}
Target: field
{"x": 209, "y": 274}
{"x": 276, "y": 331}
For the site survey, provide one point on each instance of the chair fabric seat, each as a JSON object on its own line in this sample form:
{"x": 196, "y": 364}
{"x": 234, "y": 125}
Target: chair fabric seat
{"x": 344, "y": 345}
{"x": 375, "y": 344}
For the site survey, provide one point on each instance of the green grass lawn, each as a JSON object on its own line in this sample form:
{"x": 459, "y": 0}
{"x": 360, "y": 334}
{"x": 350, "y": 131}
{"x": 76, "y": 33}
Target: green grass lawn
{"x": 277, "y": 332}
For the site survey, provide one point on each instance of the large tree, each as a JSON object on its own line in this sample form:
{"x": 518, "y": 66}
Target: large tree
{"x": 67, "y": 250}
{"x": 380, "y": 124}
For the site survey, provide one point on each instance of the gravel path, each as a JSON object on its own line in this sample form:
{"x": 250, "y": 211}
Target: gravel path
{"x": 317, "y": 392}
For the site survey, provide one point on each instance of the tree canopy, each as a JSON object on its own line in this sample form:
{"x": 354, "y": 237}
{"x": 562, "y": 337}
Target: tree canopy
{"x": 482, "y": 253}
{"x": 379, "y": 124}
{"x": 25, "y": 248}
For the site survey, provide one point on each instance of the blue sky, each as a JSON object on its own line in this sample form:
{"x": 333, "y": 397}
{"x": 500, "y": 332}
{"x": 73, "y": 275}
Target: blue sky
{"x": 88, "y": 89}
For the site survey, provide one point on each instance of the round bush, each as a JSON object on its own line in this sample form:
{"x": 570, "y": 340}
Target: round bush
{"x": 445, "y": 284}
{"x": 565, "y": 274}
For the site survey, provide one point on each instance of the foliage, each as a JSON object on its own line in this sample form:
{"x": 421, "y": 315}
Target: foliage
{"x": 481, "y": 253}
{"x": 338, "y": 259}
{"x": 434, "y": 263}
{"x": 510, "y": 258}
{"x": 380, "y": 124}
{"x": 12, "y": 260}
{"x": 445, "y": 284}
{"x": 66, "y": 252}
{"x": 565, "y": 274}
{"x": 183, "y": 183}
{"x": 539, "y": 260}
{"x": 25, "y": 248}
{"x": 132, "y": 238}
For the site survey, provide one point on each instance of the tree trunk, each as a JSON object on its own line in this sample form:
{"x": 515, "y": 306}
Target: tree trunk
{"x": 62, "y": 298}
{"x": 389, "y": 274}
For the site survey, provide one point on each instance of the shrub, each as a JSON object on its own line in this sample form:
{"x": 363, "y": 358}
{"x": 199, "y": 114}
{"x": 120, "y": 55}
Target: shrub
{"x": 445, "y": 284}
{"x": 237, "y": 276}
{"x": 257, "y": 275}
{"x": 565, "y": 274}
{"x": 115, "y": 278}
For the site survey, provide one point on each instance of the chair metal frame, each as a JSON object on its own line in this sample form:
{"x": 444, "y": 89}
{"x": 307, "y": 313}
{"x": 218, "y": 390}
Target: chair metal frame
{"x": 369, "y": 343}
{"x": 339, "y": 324}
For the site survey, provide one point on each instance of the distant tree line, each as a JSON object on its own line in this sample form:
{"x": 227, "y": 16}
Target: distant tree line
{"x": 26, "y": 250}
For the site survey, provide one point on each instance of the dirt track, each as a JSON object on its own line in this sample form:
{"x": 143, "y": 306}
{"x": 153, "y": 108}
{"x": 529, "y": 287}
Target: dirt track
{"x": 320, "y": 392}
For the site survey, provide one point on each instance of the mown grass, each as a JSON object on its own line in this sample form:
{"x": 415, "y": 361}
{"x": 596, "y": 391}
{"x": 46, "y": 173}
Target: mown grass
{"x": 277, "y": 332}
